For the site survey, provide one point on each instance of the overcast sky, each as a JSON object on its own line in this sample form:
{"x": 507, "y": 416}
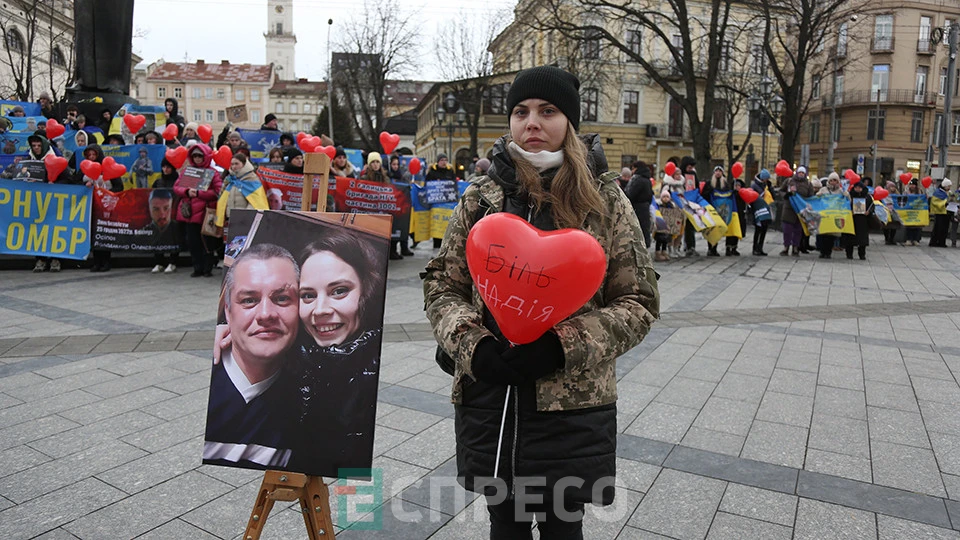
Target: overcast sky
{"x": 215, "y": 30}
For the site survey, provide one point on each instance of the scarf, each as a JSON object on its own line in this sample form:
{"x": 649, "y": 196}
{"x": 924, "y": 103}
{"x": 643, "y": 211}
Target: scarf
{"x": 542, "y": 160}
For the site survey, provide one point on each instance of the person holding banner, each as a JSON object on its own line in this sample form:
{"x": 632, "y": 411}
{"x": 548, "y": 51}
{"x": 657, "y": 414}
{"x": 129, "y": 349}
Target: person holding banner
{"x": 792, "y": 231}
{"x": 374, "y": 171}
{"x": 242, "y": 190}
{"x": 941, "y": 218}
{"x": 341, "y": 166}
{"x": 761, "y": 211}
{"x": 912, "y": 233}
{"x": 562, "y": 413}
{"x": 826, "y": 241}
{"x": 93, "y": 152}
{"x": 399, "y": 244}
{"x": 194, "y": 201}
{"x": 294, "y": 163}
{"x": 891, "y": 226}
{"x": 862, "y": 205}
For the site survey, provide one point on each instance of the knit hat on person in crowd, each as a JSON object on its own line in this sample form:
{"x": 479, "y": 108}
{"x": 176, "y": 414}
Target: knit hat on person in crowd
{"x": 269, "y": 118}
{"x": 374, "y": 156}
{"x": 946, "y": 183}
{"x": 551, "y": 84}
{"x": 718, "y": 168}
{"x": 833, "y": 176}
{"x": 340, "y": 152}
{"x": 815, "y": 182}
{"x": 17, "y": 109}
{"x": 801, "y": 169}
{"x": 191, "y": 125}
{"x": 44, "y": 95}
{"x": 441, "y": 156}
{"x": 483, "y": 164}
{"x": 764, "y": 174}
{"x": 626, "y": 171}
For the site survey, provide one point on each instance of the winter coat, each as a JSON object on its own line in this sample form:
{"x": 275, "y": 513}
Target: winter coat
{"x": 861, "y": 222}
{"x": 208, "y": 197}
{"x": 804, "y": 189}
{"x": 564, "y": 424}
{"x": 115, "y": 185}
{"x": 175, "y": 117}
{"x": 375, "y": 176}
{"x": 347, "y": 172}
{"x": 241, "y": 191}
{"x": 45, "y": 149}
{"x": 436, "y": 173}
{"x": 166, "y": 181}
{"x": 640, "y": 190}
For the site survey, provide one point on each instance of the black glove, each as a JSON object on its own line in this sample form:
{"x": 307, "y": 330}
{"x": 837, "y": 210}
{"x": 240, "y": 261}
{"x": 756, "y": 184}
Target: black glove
{"x": 489, "y": 367}
{"x": 538, "y": 359}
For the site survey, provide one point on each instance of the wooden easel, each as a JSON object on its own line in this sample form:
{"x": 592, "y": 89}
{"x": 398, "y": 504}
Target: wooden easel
{"x": 314, "y": 500}
{"x": 312, "y": 493}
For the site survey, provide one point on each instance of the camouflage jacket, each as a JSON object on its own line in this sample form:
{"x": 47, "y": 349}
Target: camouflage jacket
{"x": 611, "y": 323}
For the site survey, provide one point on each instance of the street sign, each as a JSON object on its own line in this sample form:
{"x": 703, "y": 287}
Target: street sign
{"x": 859, "y": 163}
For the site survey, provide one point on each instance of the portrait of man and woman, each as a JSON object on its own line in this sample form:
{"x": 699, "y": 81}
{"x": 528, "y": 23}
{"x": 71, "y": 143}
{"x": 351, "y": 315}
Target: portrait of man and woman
{"x": 297, "y": 353}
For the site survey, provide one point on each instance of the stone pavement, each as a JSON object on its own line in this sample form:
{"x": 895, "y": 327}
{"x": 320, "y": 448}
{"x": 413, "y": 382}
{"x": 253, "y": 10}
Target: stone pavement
{"x": 779, "y": 397}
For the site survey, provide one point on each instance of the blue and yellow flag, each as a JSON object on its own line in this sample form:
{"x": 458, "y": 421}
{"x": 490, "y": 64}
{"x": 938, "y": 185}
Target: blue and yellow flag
{"x": 912, "y": 210}
{"x": 726, "y": 205}
{"x": 938, "y": 202}
{"x": 824, "y": 214}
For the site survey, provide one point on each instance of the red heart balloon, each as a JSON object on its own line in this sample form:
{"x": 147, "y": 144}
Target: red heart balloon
{"x": 389, "y": 141}
{"x": 880, "y": 194}
{"x": 205, "y": 132}
{"x": 55, "y": 165}
{"x": 906, "y": 178}
{"x": 91, "y": 169}
{"x": 134, "y": 122}
{"x": 531, "y": 279}
{"x": 176, "y": 156}
{"x": 309, "y": 144}
{"x": 223, "y": 156}
{"x": 415, "y": 166}
{"x": 854, "y": 178}
{"x": 783, "y": 168}
{"x": 670, "y": 168}
{"x": 54, "y": 129}
{"x": 300, "y": 137}
{"x": 737, "y": 169}
{"x": 848, "y": 174}
{"x": 748, "y": 195}
{"x": 927, "y": 182}
{"x": 170, "y": 132}
{"x": 330, "y": 151}
{"x": 111, "y": 169}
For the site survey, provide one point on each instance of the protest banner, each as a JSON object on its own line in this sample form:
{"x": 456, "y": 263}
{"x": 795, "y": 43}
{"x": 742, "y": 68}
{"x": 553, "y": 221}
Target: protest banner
{"x": 364, "y": 196}
{"x": 155, "y": 116}
{"x": 285, "y": 190}
{"x": 237, "y": 114}
{"x": 14, "y": 143}
{"x": 26, "y": 124}
{"x": 49, "y": 220}
{"x": 911, "y": 210}
{"x": 8, "y": 162}
{"x": 29, "y": 108}
{"x": 73, "y": 141}
{"x": 725, "y": 204}
{"x": 141, "y": 160}
{"x": 823, "y": 214}
{"x": 702, "y": 215}
{"x": 135, "y": 220}
{"x": 260, "y": 142}
{"x": 439, "y": 191}
{"x": 30, "y": 170}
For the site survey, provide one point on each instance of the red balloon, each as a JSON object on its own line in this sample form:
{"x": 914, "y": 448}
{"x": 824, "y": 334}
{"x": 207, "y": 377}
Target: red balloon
{"x": 205, "y": 132}
{"x": 300, "y": 137}
{"x": 309, "y": 144}
{"x": 91, "y": 169}
{"x": 906, "y": 178}
{"x": 415, "y": 166}
{"x": 670, "y": 168}
{"x": 880, "y": 194}
{"x": 170, "y": 132}
{"x": 330, "y": 151}
{"x": 176, "y": 156}
{"x": 531, "y": 279}
{"x": 748, "y": 195}
{"x": 854, "y": 178}
{"x": 55, "y": 165}
{"x": 783, "y": 168}
{"x": 223, "y": 156}
{"x": 737, "y": 169}
{"x": 927, "y": 182}
{"x": 134, "y": 122}
{"x": 111, "y": 169}
{"x": 389, "y": 141}
{"x": 849, "y": 174}
{"x": 54, "y": 129}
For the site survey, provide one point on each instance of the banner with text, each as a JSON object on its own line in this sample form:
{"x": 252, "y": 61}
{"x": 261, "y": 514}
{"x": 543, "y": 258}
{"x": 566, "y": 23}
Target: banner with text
{"x": 141, "y": 160}
{"x": 49, "y": 220}
{"x": 285, "y": 190}
{"x": 369, "y": 197}
{"x": 134, "y": 220}
{"x": 824, "y": 214}
{"x": 911, "y": 210}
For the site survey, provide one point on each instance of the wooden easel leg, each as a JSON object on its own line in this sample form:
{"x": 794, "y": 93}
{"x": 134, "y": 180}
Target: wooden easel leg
{"x": 261, "y": 509}
{"x": 315, "y": 505}
{"x": 312, "y": 493}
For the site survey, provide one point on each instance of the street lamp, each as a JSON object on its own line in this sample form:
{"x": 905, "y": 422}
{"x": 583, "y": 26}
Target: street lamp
{"x": 450, "y": 111}
{"x": 329, "y": 82}
{"x": 765, "y": 105}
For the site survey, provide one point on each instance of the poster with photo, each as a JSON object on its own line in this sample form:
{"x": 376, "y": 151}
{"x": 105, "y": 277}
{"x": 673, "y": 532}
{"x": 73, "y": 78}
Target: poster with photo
{"x": 135, "y": 220}
{"x": 301, "y": 320}
{"x": 30, "y": 170}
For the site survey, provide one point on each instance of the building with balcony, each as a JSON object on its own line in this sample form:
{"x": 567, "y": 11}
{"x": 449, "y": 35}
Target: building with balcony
{"x": 886, "y": 92}
{"x": 297, "y": 103}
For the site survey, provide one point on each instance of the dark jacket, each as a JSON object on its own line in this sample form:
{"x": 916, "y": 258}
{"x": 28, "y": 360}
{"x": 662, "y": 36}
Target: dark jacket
{"x": 166, "y": 181}
{"x": 116, "y": 185}
{"x": 861, "y": 222}
{"x": 804, "y": 189}
{"x": 175, "y": 117}
{"x": 436, "y": 173}
{"x": 640, "y": 192}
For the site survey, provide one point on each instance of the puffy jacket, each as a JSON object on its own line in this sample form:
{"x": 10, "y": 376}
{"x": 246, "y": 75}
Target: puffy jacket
{"x": 204, "y": 198}
{"x": 804, "y": 189}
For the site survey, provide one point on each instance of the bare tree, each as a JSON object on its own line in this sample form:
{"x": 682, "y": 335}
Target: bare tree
{"x": 58, "y": 42}
{"x": 18, "y": 41}
{"x": 378, "y": 45}
{"x": 39, "y": 51}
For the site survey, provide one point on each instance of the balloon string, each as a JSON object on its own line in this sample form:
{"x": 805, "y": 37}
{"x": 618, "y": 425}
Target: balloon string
{"x": 503, "y": 422}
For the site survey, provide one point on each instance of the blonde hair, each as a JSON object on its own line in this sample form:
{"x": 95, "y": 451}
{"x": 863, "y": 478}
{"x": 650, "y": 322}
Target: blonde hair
{"x": 573, "y": 193}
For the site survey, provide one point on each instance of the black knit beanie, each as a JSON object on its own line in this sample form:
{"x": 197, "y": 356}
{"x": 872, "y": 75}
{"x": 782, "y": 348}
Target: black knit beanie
{"x": 551, "y": 84}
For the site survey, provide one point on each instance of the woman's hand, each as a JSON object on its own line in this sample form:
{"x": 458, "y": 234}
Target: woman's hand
{"x": 221, "y": 341}
{"x": 191, "y": 193}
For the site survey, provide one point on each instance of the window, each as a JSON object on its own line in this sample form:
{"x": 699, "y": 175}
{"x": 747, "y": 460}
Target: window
{"x": 533, "y": 54}
{"x": 209, "y": 115}
{"x": 220, "y": 93}
{"x": 757, "y": 59}
{"x": 921, "y": 87}
{"x": 631, "y": 105}
{"x": 815, "y": 129}
{"x": 208, "y": 93}
{"x": 815, "y": 89}
{"x": 306, "y": 108}
{"x": 280, "y": 126}
{"x": 838, "y": 88}
{"x": 307, "y": 126}
{"x": 875, "y": 124}
{"x": 956, "y": 129}
{"x": 677, "y": 42}
{"x": 178, "y": 93}
{"x": 255, "y": 94}
{"x": 254, "y": 114}
{"x": 633, "y": 43}
{"x": 726, "y": 50}
{"x": 14, "y": 41}
{"x": 837, "y": 125}
{"x": 238, "y": 94}
{"x": 916, "y": 127}
{"x": 883, "y": 32}
{"x": 591, "y": 45}
{"x": 938, "y": 129}
{"x": 675, "y": 119}
{"x": 495, "y": 101}
{"x": 588, "y": 104}
{"x": 196, "y": 93}
{"x": 279, "y": 28}
{"x": 196, "y": 115}
{"x": 221, "y": 116}
{"x": 279, "y": 107}
{"x": 821, "y": 41}
{"x": 721, "y": 111}
{"x": 923, "y": 41}
{"x": 880, "y": 83}
{"x": 161, "y": 92}
{"x": 293, "y": 108}
{"x": 842, "y": 40}
{"x": 943, "y": 81}
{"x": 57, "y": 59}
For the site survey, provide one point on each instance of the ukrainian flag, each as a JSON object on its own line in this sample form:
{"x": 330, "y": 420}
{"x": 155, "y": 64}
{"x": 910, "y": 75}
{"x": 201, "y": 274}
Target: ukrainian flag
{"x": 252, "y": 190}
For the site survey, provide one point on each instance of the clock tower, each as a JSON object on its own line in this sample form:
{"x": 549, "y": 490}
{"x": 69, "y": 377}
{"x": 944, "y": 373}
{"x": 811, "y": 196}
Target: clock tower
{"x": 281, "y": 42}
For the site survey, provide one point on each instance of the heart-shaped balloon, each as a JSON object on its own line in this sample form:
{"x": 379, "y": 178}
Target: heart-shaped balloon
{"x": 300, "y": 137}
{"x": 223, "y": 156}
{"x": 111, "y": 169}
{"x": 176, "y": 156}
{"x": 880, "y": 194}
{"x": 309, "y": 144}
{"x": 54, "y": 129}
{"x": 906, "y": 178}
{"x": 170, "y": 132}
{"x": 670, "y": 168}
{"x": 849, "y": 173}
{"x": 783, "y": 168}
{"x": 926, "y": 182}
{"x": 55, "y": 165}
{"x": 90, "y": 169}
{"x": 853, "y": 178}
{"x": 415, "y": 166}
{"x": 389, "y": 141}
{"x": 748, "y": 195}
{"x": 330, "y": 151}
{"x": 205, "y": 132}
{"x": 134, "y": 122}
{"x": 531, "y": 279}
{"x": 736, "y": 169}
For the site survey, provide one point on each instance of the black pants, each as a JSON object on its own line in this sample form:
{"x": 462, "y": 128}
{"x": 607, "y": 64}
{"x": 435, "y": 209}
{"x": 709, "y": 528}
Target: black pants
{"x": 912, "y": 234}
{"x": 689, "y": 235}
{"x": 861, "y": 251}
{"x": 643, "y": 216}
{"x": 164, "y": 258}
{"x": 101, "y": 258}
{"x": 825, "y": 244}
{"x": 941, "y": 226}
{"x": 759, "y": 235}
{"x": 805, "y": 242}
{"x": 506, "y": 525}
{"x": 889, "y": 236}
{"x": 202, "y": 261}
{"x": 662, "y": 242}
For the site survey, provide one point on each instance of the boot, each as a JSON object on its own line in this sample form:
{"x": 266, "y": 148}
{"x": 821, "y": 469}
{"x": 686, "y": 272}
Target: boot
{"x": 712, "y": 251}
{"x": 862, "y": 252}
{"x": 394, "y": 256}
{"x": 727, "y": 252}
